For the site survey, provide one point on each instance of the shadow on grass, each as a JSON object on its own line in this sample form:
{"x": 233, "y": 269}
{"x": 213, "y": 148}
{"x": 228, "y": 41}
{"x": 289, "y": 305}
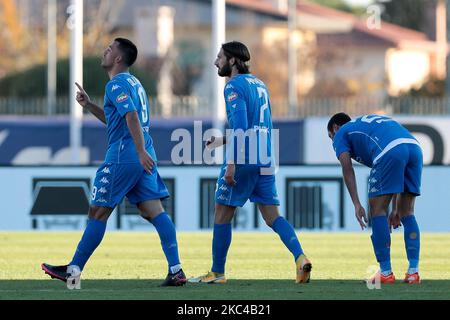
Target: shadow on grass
{"x": 148, "y": 289}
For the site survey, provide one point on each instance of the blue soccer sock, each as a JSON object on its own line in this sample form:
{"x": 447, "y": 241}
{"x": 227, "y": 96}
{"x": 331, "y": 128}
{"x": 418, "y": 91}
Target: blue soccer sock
{"x": 288, "y": 236}
{"x": 168, "y": 236}
{"x": 221, "y": 244}
{"x": 381, "y": 240}
{"x": 412, "y": 242}
{"x": 92, "y": 236}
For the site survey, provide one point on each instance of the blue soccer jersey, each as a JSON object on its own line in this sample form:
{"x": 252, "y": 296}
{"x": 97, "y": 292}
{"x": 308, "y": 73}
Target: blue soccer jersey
{"x": 122, "y": 174}
{"x": 388, "y": 148}
{"x": 370, "y": 137}
{"x": 123, "y": 94}
{"x": 248, "y": 108}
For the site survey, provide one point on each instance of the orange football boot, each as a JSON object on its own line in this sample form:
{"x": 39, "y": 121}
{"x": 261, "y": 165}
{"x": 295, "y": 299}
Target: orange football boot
{"x": 389, "y": 279}
{"x": 303, "y": 267}
{"x": 412, "y": 278}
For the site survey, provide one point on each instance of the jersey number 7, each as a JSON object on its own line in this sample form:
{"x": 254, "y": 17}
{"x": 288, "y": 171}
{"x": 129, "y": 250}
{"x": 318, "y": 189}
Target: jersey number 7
{"x": 265, "y": 106}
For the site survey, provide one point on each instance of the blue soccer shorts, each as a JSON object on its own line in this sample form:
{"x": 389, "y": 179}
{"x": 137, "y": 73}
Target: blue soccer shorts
{"x": 113, "y": 182}
{"x": 250, "y": 184}
{"x": 398, "y": 171}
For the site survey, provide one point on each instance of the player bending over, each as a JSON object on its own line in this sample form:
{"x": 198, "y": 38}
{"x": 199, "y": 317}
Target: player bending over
{"x": 396, "y": 160}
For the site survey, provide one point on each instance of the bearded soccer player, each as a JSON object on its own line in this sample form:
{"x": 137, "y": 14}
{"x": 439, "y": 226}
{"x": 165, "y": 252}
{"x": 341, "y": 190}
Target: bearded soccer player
{"x": 248, "y": 111}
{"x": 395, "y": 157}
{"x": 130, "y": 166}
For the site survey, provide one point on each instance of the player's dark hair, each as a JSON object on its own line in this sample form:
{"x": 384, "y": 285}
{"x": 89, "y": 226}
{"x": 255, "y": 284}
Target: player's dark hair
{"x": 128, "y": 49}
{"x": 240, "y": 52}
{"x": 339, "y": 119}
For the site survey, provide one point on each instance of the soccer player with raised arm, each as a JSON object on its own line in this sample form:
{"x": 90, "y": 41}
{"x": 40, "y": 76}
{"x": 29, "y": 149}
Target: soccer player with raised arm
{"x": 248, "y": 110}
{"x": 396, "y": 160}
{"x": 129, "y": 169}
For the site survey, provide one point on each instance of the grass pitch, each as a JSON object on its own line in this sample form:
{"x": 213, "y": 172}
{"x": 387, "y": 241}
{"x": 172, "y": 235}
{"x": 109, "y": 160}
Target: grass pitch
{"x": 132, "y": 265}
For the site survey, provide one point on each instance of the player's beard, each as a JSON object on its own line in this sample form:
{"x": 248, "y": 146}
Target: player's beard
{"x": 105, "y": 65}
{"x": 225, "y": 71}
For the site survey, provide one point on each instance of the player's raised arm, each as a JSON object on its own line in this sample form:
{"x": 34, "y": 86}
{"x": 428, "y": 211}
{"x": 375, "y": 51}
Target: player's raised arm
{"x": 350, "y": 182}
{"x": 85, "y": 101}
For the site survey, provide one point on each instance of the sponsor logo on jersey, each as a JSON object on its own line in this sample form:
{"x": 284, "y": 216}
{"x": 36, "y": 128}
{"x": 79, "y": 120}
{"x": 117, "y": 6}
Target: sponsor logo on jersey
{"x": 229, "y": 86}
{"x": 122, "y": 97}
{"x": 126, "y": 106}
{"x": 115, "y": 87}
{"x": 232, "y": 96}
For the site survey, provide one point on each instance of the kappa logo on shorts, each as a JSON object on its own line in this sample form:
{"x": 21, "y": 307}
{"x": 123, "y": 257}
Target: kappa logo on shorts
{"x": 101, "y": 200}
{"x": 222, "y": 197}
{"x": 104, "y": 180}
{"x": 106, "y": 170}
{"x": 103, "y": 190}
{"x": 223, "y": 187}
{"x": 122, "y": 97}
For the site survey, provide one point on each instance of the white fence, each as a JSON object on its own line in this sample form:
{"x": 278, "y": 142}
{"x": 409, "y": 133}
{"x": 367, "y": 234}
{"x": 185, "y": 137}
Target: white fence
{"x": 312, "y": 197}
{"x": 195, "y": 106}
{"x": 432, "y": 132}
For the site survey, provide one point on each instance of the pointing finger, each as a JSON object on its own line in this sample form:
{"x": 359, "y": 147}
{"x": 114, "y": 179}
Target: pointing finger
{"x": 79, "y": 87}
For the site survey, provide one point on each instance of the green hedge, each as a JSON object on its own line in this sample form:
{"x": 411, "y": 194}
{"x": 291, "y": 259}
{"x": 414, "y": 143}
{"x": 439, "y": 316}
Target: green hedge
{"x": 33, "y": 82}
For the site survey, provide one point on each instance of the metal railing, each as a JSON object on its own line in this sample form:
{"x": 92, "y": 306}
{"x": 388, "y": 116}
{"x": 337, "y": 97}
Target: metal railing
{"x": 185, "y": 106}
{"x": 192, "y": 106}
